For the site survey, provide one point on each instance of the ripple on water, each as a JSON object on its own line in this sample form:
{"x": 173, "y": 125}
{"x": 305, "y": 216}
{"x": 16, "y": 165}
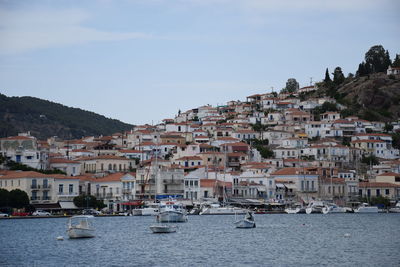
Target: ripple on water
{"x": 279, "y": 239}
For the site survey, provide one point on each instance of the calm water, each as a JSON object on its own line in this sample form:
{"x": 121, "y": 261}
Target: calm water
{"x": 278, "y": 240}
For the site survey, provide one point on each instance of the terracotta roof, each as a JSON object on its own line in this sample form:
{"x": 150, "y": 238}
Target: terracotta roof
{"x": 372, "y": 184}
{"x": 389, "y": 174}
{"x": 61, "y": 160}
{"x": 115, "y": 177}
{"x": 32, "y": 174}
{"x": 213, "y": 183}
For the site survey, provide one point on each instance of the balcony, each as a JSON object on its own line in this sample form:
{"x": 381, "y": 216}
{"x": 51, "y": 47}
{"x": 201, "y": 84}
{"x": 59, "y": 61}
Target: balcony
{"x": 126, "y": 190}
{"x": 172, "y": 181}
{"x": 46, "y": 187}
{"x": 109, "y": 195}
{"x": 35, "y": 198}
{"x": 46, "y": 198}
{"x": 66, "y": 196}
{"x": 35, "y": 186}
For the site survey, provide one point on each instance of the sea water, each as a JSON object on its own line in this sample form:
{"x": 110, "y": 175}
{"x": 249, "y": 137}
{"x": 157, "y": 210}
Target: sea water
{"x": 278, "y": 240}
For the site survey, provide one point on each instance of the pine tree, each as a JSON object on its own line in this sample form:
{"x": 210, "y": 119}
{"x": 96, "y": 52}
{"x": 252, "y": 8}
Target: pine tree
{"x": 327, "y": 77}
{"x": 338, "y": 77}
{"x": 396, "y": 61}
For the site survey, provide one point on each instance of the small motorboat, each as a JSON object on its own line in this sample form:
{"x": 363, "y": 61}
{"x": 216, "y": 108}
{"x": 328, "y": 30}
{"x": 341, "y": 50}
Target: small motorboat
{"x": 366, "y": 208}
{"x": 79, "y": 227}
{"x": 163, "y": 228}
{"x": 246, "y": 222}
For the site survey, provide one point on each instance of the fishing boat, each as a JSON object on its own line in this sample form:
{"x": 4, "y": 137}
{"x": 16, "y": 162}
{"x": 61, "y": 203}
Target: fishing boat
{"x": 79, "y": 227}
{"x": 171, "y": 211}
{"x": 246, "y": 222}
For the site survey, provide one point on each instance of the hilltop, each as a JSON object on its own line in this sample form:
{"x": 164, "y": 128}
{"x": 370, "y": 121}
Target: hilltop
{"x": 375, "y": 97}
{"x": 45, "y": 118}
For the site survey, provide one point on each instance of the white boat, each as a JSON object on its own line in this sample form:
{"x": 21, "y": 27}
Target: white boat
{"x": 163, "y": 228}
{"x": 137, "y": 212}
{"x": 366, "y": 208}
{"x": 246, "y": 222}
{"x": 333, "y": 208}
{"x": 297, "y": 208}
{"x": 216, "y": 209}
{"x": 396, "y": 208}
{"x": 317, "y": 207}
{"x": 172, "y": 212}
{"x": 150, "y": 210}
{"x": 79, "y": 227}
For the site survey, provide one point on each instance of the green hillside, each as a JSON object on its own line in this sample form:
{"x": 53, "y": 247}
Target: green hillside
{"x": 44, "y": 119}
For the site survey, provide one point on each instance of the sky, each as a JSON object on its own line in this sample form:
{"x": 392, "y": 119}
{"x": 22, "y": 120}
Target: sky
{"x": 140, "y": 61}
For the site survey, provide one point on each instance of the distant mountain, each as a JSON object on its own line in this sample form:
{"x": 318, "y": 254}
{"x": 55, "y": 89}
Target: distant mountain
{"x": 45, "y": 119}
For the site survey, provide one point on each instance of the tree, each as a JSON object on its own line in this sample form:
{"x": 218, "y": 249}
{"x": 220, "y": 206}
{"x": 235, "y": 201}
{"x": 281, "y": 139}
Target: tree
{"x": 396, "y": 61}
{"x": 327, "y": 77}
{"x": 388, "y": 127}
{"x": 338, "y": 77}
{"x": 370, "y": 160}
{"x": 88, "y": 201}
{"x": 18, "y": 199}
{"x": 4, "y": 198}
{"x": 377, "y": 58}
{"x": 292, "y": 85}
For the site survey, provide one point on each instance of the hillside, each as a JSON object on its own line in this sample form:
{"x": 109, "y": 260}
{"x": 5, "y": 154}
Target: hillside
{"x": 44, "y": 119}
{"x": 374, "y": 97}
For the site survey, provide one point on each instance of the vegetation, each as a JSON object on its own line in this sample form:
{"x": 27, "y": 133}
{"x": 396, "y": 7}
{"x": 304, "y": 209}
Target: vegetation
{"x": 15, "y": 199}
{"x": 372, "y": 159}
{"x": 88, "y": 201}
{"x": 376, "y": 201}
{"x": 16, "y": 166}
{"x": 45, "y": 119}
{"x": 376, "y": 60}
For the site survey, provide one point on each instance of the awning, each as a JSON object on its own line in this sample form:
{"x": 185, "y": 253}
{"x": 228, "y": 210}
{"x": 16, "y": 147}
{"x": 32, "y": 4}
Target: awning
{"x": 47, "y": 206}
{"x": 67, "y": 205}
{"x": 291, "y": 186}
{"x": 133, "y": 203}
{"x": 280, "y": 185}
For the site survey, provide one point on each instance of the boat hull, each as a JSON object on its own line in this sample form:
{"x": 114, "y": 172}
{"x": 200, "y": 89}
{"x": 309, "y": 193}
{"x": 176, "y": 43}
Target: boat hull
{"x": 245, "y": 224}
{"x": 223, "y": 211}
{"x": 171, "y": 216}
{"x": 367, "y": 210}
{"x": 163, "y": 229}
{"x": 80, "y": 233}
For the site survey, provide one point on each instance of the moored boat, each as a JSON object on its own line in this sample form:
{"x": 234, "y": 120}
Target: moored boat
{"x": 172, "y": 212}
{"x": 216, "y": 209}
{"x": 162, "y": 228}
{"x": 79, "y": 227}
{"x": 366, "y": 208}
{"x": 246, "y": 222}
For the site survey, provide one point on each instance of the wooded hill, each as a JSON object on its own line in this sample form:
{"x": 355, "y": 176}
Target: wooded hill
{"x": 45, "y": 119}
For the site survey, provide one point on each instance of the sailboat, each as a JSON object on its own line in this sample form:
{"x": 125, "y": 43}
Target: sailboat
{"x": 218, "y": 209}
{"x": 160, "y": 228}
{"x": 246, "y": 222}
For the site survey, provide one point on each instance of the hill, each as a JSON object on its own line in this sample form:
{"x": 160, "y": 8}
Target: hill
{"x": 45, "y": 119}
{"x": 374, "y": 97}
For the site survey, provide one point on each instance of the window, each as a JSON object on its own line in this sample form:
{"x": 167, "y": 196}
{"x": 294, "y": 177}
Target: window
{"x": 45, "y": 183}
{"x": 71, "y": 188}
{"x": 34, "y": 183}
{"x": 387, "y": 191}
{"x": 186, "y": 183}
{"x": 378, "y": 192}
{"x": 60, "y": 188}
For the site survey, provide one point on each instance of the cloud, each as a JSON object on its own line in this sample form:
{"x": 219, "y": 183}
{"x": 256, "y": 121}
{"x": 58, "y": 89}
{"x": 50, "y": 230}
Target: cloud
{"x": 23, "y": 31}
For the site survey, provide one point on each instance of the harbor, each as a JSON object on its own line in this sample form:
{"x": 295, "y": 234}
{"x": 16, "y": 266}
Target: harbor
{"x": 278, "y": 239}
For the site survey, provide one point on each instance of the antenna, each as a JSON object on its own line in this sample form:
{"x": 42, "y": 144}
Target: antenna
{"x": 311, "y": 81}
